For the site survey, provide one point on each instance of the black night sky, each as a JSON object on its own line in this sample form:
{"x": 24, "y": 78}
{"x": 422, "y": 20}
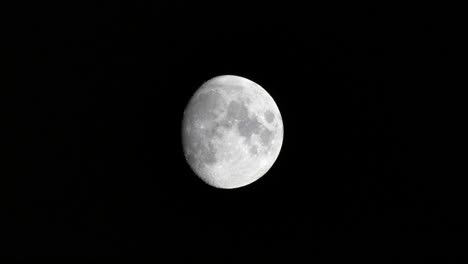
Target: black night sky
{"x": 94, "y": 147}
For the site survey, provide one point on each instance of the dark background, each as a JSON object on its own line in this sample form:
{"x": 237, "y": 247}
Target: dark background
{"x": 95, "y": 150}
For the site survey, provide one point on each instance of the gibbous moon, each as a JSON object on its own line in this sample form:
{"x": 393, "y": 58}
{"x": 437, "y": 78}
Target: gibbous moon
{"x": 232, "y": 132}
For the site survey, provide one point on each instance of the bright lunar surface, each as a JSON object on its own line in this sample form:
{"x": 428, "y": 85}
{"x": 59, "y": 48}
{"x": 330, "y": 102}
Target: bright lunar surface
{"x": 232, "y": 132}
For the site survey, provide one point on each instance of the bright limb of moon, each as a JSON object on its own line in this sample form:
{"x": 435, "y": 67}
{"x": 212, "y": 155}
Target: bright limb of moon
{"x": 232, "y": 132}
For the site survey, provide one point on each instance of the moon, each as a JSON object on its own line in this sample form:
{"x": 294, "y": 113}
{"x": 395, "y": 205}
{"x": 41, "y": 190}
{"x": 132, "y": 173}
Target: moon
{"x": 232, "y": 132}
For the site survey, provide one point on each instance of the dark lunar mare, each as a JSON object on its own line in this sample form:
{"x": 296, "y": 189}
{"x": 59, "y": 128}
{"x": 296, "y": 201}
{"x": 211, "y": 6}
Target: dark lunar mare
{"x": 238, "y": 111}
{"x": 266, "y": 136}
{"x": 253, "y": 150}
{"x": 269, "y": 116}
